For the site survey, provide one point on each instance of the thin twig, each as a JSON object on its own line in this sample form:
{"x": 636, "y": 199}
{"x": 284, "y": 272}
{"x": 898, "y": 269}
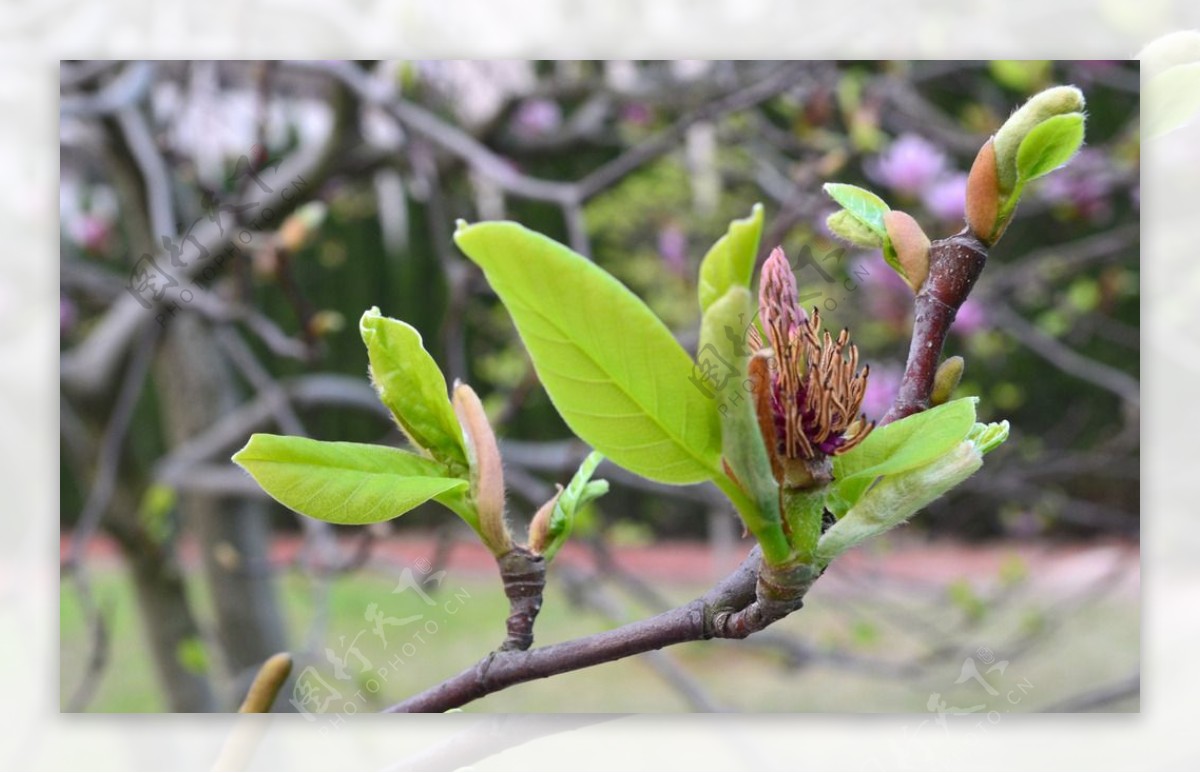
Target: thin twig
{"x": 1065, "y": 358}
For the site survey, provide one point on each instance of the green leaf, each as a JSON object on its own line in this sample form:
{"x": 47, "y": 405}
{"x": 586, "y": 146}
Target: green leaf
{"x": 724, "y": 352}
{"x": 1049, "y": 145}
{"x": 412, "y": 386}
{"x": 192, "y": 655}
{"x": 611, "y": 367}
{"x": 346, "y": 483}
{"x": 902, "y": 445}
{"x": 865, "y": 206}
{"x": 580, "y": 492}
{"x": 730, "y": 262}
{"x": 988, "y": 437}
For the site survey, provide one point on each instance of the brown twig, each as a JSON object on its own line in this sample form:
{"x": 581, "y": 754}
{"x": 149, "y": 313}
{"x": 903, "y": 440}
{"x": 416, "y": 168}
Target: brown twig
{"x": 954, "y": 266}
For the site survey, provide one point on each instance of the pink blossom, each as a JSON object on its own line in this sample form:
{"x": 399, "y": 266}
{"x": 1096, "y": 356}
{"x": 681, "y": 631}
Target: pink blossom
{"x": 1083, "y": 186}
{"x": 537, "y": 117}
{"x": 672, "y": 247}
{"x": 90, "y": 232}
{"x": 882, "y": 387}
{"x": 636, "y": 113}
{"x": 947, "y": 197}
{"x": 909, "y": 165}
{"x": 971, "y": 318}
{"x": 67, "y": 315}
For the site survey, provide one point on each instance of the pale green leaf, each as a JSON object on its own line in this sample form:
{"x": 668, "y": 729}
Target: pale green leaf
{"x": 902, "y": 445}
{"x": 868, "y": 208}
{"x": 731, "y": 260}
{"x": 412, "y": 386}
{"x": 988, "y": 437}
{"x": 611, "y": 367}
{"x": 345, "y": 483}
{"x": 581, "y": 491}
{"x": 1049, "y": 145}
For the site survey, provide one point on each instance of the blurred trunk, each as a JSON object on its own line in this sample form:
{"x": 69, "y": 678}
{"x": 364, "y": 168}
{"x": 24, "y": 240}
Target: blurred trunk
{"x": 171, "y": 630}
{"x": 194, "y": 389}
{"x": 169, "y": 627}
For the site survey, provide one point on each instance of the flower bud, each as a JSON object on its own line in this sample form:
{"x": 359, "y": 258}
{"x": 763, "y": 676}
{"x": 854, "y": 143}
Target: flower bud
{"x": 487, "y": 474}
{"x": 301, "y": 226}
{"x": 983, "y": 194}
{"x": 539, "y": 527}
{"x": 1059, "y": 100}
{"x": 271, "y": 676}
{"x": 911, "y": 246}
{"x": 945, "y": 381}
{"x": 846, "y": 226}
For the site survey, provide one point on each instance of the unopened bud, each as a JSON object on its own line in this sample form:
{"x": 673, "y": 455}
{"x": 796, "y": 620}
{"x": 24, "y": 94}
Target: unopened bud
{"x": 487, "y": 473}
{"x": 1059, "y": 100}
{"x": 301, "y": 226}
{"x": 983, "y": 194}
{"x": 945, "y": 381}
{"x": 539, "y": 527}
{"x": 325, "y": 322}
{"x": 846, "y": 226}
{"x": 911, "y": 246}
{"x": 271, "y": 676}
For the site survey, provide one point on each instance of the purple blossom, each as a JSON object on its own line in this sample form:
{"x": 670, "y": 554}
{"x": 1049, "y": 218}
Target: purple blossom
{"x": 909, "y": 165}
{"x": 971, "y": 318}
{"x": 1083, "y": 186}
{"x": 537, "y": 117}
{"x": 947, "y": 197}
{"x": 67, "y": 315}
{"x": 636, "y": 113}
{"x": 672, "y": 247}
{"x": 888, "y": 297}
{"x": 90, "y": 232}
{"x": 882, "y": 387}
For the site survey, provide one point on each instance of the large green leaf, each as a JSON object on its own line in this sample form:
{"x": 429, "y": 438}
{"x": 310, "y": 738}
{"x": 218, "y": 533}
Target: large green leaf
{"x": 1049, "y": 145}
{"x": 611, "y": 367}
{"x": 868, "y": 208}
{"x": 346, "y": 483}
{"x": 902, "y": 445}
{"x": 730, "y": 262}
{"x": 411, "y": 385}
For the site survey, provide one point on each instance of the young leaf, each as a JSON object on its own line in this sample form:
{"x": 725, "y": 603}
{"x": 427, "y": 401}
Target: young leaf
{"x": 902, "y": 445}
{"x": 346, "y": 483}
{"x": 723, "y": 340}
{"x": 730, "y": 262}
{"x": 578, "y": 493}
{"x": 411, "y": 385}
{"x": 897, "y": 497}
{"x": 988, "y": 437}
{"x": 612, "y": 369}
{"x": 868, "y": 208}
{"x": 1049, "y": 145}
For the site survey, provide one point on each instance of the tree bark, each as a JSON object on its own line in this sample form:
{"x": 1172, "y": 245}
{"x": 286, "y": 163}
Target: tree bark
{"x": 195, "y": 388}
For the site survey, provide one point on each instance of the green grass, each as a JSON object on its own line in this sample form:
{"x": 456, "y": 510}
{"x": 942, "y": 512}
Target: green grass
{"x": 1096, "y": 645}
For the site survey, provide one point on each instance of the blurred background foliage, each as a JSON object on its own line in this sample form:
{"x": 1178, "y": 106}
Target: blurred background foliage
{"x": 669, "y": 153}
